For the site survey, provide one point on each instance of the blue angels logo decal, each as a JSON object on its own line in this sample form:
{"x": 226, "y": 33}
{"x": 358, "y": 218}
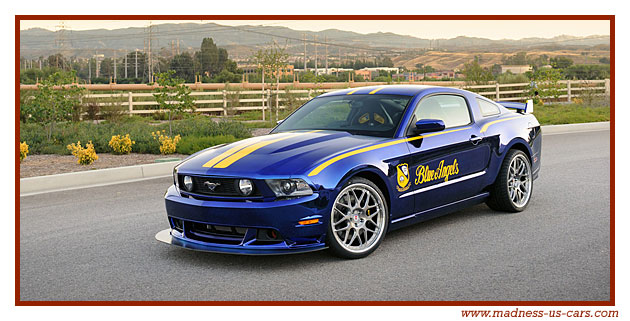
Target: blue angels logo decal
{"x": 402, "y": 177}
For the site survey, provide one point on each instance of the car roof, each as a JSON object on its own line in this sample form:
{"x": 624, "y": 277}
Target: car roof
{"x": 405, "y": 90}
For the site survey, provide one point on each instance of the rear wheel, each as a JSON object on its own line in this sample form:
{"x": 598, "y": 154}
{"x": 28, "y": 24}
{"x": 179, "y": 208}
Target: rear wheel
{"x": 512, "y": 190}
{"x": 358, "y": 219}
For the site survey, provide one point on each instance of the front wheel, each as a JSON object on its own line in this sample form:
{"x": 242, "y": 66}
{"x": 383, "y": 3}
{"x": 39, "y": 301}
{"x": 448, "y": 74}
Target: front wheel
{"x": 358, "y": 219}
{"x": 513, "y": 187}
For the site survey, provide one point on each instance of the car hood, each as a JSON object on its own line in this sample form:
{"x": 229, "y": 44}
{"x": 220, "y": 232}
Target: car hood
{"x": 283, "y": 154}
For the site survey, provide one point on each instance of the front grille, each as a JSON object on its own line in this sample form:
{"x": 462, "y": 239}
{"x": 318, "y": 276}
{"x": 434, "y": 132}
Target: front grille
{"x": 224, "y": 234}
{"x": 222, "y": 186}
{"x": 216, "y": 233}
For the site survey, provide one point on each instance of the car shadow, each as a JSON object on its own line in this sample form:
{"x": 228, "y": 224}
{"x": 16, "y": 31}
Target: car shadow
{"x": 186, "y": 257}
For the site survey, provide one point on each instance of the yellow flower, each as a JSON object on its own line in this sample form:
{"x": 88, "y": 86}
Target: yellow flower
{"x": 23, "y": 150}
{"x": 121, "y": 144}
{"x": 168, "y": 145}
{"x": 85, "y": 156}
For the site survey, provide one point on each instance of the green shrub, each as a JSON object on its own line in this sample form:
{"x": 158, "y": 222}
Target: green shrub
{"x": 192, "y": 144}
{"x": 100, "y": 134}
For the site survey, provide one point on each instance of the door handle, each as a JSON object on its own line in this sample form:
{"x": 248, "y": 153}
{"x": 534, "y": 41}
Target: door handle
{"x": 475, "y": 139}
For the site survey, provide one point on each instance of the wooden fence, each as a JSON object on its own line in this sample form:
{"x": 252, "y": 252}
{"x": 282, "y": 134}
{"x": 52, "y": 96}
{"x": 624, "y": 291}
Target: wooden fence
{"x": 222, "y": 102}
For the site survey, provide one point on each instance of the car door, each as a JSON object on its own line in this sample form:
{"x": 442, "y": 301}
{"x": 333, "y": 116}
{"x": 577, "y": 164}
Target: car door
{"x": 445, "y": 166}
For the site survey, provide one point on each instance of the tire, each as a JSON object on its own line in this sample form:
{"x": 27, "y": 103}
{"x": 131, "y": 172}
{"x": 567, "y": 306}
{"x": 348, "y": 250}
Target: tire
{"x": 354, "y": 229}
{"x": 512, "y": 190}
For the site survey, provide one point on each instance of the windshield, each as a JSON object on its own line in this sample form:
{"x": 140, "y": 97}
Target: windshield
{"x": 371, "y": 115}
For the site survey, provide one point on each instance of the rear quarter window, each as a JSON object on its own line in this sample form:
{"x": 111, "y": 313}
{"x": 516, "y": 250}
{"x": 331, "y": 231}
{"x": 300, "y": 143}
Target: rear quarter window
{"x": 487, "y": 108}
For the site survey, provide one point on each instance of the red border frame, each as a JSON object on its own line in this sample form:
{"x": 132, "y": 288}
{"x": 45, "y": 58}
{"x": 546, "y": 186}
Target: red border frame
{"x": 610, "y": 302}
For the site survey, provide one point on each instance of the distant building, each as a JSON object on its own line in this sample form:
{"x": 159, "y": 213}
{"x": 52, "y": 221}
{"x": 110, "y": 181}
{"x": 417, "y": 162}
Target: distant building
{"x": 440, "y": 74}
{"x": 255, "y": 69}
{"x": 516, "y": 69}
{"x": 366, "y": 74}
{"x": 418, "y": 76}
{"x": 408, "y": 76}
{"x": 388, "y": 69}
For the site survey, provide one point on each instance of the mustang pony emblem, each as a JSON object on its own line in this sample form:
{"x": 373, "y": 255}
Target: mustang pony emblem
{"x": 402, "y": 177}
{"x": 210, "y": 185}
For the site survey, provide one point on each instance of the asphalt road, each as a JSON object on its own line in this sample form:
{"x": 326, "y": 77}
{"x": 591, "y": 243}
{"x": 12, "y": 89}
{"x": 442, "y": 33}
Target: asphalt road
{"x": 98, "y": 244}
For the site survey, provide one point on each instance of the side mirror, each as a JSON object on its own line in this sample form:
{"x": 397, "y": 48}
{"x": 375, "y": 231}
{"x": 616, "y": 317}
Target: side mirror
{"x": 429, "y": 125}
{"x": 279, "y": 122}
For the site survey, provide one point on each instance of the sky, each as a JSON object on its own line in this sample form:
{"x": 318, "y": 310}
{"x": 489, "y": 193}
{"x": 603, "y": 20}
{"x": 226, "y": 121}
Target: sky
{"x": 431, "y": 29}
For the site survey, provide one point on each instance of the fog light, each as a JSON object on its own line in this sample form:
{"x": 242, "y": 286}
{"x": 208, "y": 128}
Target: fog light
{"x": 188, "y": 183}
{"x": 245, "y": 186}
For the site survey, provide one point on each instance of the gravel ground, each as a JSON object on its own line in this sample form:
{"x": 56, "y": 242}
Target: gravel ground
{"x": 39, "y": 165}
{"x": 260, "y": 131}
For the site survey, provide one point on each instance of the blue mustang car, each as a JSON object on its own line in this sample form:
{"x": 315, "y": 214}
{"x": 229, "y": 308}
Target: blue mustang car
{"x": 350, "y": 165}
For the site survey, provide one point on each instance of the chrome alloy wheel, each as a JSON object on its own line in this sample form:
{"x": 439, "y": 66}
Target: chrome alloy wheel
{"x": 519, "y": 181}
{"x": 358, "y": 218}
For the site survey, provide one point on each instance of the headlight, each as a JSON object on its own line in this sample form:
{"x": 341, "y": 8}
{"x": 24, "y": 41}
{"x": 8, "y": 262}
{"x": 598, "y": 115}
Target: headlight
{"x": 188, "y": 183}
{"x": 245, "y": 186}
{"x": 289, "y": 187}
{"x": 175, "y": 176}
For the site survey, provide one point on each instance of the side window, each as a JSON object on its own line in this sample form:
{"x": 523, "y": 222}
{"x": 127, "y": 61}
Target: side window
{"x": 451, "y": 109}
{"x": 488, "y": 108}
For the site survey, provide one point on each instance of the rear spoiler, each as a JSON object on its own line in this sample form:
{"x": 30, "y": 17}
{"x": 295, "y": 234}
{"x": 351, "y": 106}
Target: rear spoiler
{"x": 521, "y": 108}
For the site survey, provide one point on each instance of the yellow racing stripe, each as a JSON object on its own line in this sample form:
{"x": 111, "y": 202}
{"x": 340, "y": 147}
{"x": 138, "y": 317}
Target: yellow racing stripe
{"x": 225, "y": 154}
{"x": 329, "y": 162}
{"x": 486, "y": 125}
{"x": 375, "y": 90}
{"x": 352, "y": 92}
{"x": 252, "y": 148}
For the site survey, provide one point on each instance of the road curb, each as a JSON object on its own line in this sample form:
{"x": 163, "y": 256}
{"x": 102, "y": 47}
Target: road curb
{"x": 49, "y": 183}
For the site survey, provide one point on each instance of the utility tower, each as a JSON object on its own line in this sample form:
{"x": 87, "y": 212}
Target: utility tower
{"x": 326, "y": 48}
{"x": 304, "y": 51}
{"x": 115, "y": 68}
{"x": 150, "y": 41}
{"x": 315, "y": 42}
{"x": 136, "y": 63}
{"x": 126, "y": 64}
{"x": 62, "y": 41}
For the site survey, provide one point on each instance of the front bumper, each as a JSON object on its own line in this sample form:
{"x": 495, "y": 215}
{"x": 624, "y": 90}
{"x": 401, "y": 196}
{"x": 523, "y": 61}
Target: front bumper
{"x": 264, "y": 227}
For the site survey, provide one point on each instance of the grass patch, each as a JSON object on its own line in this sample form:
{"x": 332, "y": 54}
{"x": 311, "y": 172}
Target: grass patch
{"x": 250, "y": 115}
{"x": 570, "y": 114}
{"x": 259, "y": 124}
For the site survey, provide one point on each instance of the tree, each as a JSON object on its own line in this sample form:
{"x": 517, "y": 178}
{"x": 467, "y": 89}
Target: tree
{"x": 172, "y": 94}
{"x": 272, "y": 60}
{"x": 424, "y": 69}
{"x": 107, "y": 68}
{"x": 226, "y": 76}
{"x": 496, "y": 70}
{"x": 57, "y": 61}
{"x": 49, "y": 104}
{"x": 585, "y": 72}
{"x": 560, "y": 62}
{"x": 520, "y": 58}
{"x": 475, "y": 74}
{"x": 386, "y": 62}
{"x": 545, "y": 84}
{"x": 183, "y": 65}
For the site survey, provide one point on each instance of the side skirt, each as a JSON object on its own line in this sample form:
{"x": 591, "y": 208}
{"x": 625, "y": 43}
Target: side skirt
{"x": 437, "y": 211}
